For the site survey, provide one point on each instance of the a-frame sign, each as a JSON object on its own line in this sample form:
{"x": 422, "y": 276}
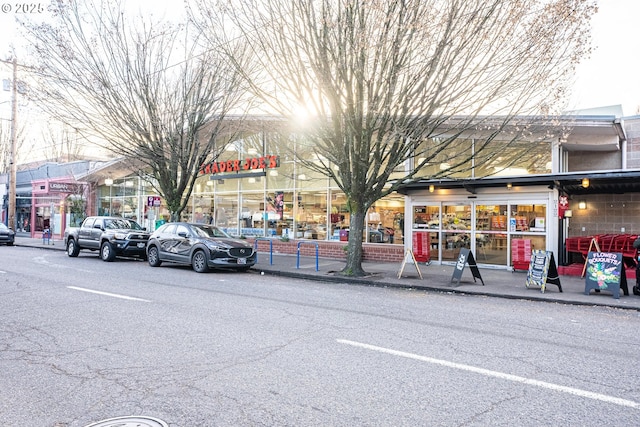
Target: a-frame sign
{"x": 466, "y": 257}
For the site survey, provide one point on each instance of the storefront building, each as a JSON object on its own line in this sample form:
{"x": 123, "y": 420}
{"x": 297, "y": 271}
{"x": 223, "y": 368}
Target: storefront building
{"x": 50, "y": 197}
{"x": 510, "y": 190}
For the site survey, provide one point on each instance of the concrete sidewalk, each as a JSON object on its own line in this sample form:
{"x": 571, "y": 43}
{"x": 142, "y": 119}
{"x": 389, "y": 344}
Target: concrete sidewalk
{"x": 435, "y": 277}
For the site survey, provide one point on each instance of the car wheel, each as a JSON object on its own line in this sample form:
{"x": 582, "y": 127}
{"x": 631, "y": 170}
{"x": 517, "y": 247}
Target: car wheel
{"x": 106, "y": 252}
{"x": 9, "y": 243}
{"x": 153, "y": 257}
{"x": 72, "y": 248}
{"x": 199, "y": 262}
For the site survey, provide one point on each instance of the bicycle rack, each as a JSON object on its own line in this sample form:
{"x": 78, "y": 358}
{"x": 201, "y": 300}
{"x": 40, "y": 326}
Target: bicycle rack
{"x": 255, "y": 247}
{"x": 298, "y": 258}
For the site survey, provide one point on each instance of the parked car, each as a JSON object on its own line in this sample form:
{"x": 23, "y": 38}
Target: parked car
{"x": 112, "y": 236}
{"x": 7, "y": 235}
{"x": 201, "y": 245}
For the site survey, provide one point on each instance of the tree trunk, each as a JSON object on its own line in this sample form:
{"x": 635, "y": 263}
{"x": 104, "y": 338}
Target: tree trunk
{"x": 354, "y": 252}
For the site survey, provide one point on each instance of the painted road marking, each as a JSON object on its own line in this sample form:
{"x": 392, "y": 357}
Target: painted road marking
{"x": 496, "y": 374}
{"x": 108, "y": 294}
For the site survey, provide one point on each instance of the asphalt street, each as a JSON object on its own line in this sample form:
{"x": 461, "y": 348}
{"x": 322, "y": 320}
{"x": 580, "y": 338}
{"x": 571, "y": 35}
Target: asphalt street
{"x": 83, "y": 341}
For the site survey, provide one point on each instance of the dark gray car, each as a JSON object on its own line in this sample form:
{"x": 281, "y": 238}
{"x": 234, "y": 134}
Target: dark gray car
{"x": 7, "y": 235}
{"x": 200, "y": 245}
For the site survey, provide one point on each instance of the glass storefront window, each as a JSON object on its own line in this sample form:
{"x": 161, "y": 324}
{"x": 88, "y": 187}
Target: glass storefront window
{"x": 225, "y": 211}
{"x": 456, "y": 222}
{"x": 311, "y": 217}
{"x": 528, "y": 217}
{"x": 491, "y": 237}
{"x": 511, "y": 158}
{"x": 339, "y": 218}
{"x": 445, "y": 158}
{"x": 253, "y": 214}
{"x": 386, "y": 220}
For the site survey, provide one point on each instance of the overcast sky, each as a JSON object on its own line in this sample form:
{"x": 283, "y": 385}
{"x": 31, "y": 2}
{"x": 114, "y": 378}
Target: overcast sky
{"x": 610, "y": 77}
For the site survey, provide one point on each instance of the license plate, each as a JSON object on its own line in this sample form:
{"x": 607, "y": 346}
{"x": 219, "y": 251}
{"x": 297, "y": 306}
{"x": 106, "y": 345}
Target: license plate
{"x": 242, "y": 260}
{"x": 141, "y": 245}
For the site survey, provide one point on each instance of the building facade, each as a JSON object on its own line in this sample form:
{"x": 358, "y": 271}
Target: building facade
{"x": 529, "y": 187}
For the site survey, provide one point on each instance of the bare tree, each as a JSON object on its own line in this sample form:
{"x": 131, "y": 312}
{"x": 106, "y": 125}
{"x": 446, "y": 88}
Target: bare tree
{"x": 5, "y": 144}
{"x": 61, "y": 143}
{"x": 142, "y": 88}
{"x": 391, "y": 81}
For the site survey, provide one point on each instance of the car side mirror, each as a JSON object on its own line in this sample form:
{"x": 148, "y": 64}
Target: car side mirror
{"x": 182, "y": 234}
{"x": 97, "y": 226}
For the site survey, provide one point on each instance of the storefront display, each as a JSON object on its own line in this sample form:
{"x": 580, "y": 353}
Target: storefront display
{"x": 484, "y": 227}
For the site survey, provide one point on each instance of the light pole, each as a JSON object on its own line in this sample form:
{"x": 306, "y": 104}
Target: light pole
{"x": 12, "y": 156}
{"x": 11, "y": 213}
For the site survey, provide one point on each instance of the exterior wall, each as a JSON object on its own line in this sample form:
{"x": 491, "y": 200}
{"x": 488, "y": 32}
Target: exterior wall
{"x": 632, "y": 128}
{"x": 606, "y": 214}
{"x": 594, "y": 160}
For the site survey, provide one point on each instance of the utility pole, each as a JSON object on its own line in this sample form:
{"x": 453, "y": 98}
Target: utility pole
{"x": 12, "y": 159}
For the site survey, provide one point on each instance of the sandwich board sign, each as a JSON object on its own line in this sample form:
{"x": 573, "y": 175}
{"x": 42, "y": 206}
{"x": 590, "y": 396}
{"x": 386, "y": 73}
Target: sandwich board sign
{"x": 542, "y": 270}
{"x": 466, "y": 257}
{"x": 605, "y": 272}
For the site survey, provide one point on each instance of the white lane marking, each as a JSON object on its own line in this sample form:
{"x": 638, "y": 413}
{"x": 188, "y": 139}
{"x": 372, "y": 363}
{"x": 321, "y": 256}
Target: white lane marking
{"x": 108, "y": 294}
{"x": 496, "y": 374}
{"x": 41, "y": 260}
{"x": 3, "y": 272}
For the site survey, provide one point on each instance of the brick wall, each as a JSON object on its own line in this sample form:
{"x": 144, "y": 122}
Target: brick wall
{"x": 331, "y": 249}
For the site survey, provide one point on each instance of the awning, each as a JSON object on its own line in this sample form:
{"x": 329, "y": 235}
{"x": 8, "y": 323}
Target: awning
{"x": 601, "y": 182}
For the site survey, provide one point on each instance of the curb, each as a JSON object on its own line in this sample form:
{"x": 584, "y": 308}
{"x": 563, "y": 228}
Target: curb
{"x": 369, "y": 282}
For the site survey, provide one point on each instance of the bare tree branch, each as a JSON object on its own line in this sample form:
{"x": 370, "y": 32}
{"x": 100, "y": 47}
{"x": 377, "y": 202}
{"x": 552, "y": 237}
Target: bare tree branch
{"x": 144, "y": 89}
{"x": 386, "y": 79}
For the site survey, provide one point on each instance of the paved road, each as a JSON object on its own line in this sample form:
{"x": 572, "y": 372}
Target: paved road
{"x": 82, "y": 340}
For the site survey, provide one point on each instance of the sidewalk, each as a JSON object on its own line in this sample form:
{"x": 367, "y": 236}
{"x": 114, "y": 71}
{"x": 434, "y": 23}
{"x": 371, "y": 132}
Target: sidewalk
{"x": 497, "y": 283}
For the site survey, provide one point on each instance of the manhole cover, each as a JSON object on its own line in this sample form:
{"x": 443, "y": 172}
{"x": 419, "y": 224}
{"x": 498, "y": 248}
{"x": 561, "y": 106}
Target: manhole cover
{"x": 130, "y": 422}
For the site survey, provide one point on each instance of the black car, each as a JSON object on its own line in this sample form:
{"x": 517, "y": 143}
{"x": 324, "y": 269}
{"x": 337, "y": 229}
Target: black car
{"x": 201, "y": 245}
{"x": 7, "y": 235}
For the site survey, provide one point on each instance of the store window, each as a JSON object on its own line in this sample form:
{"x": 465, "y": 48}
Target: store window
{"x": 512, "y": 158}
{"x": 426, "y": 232}
{"x": 456, "y": 226}
{"x": 253, "y": 214}
{"x": 528, "y": 217}
{"x": 385, "y": 220}
{"x": 339, "y": 218}
{"x": 491, "y": 233}
{"x": 226, "y": 212}
{"x": 311, "y": 217}
{"x": 445, "y": 158}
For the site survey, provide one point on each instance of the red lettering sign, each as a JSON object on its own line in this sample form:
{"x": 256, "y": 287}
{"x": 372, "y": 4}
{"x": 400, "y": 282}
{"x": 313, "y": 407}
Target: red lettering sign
{"x": 249, "y": 163}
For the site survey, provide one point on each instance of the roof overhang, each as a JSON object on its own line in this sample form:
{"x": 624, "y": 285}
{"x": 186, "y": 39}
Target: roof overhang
{"x": 601, "y": 182}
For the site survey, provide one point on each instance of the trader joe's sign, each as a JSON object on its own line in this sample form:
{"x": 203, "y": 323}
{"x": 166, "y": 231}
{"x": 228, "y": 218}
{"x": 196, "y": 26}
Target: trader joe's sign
{"x": 248, "y": 164}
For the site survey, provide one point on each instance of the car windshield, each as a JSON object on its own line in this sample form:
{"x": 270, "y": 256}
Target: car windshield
{"x": 208, "y": 231}
{"x": 121, "y": 224}
{"x": 3, "y": 227}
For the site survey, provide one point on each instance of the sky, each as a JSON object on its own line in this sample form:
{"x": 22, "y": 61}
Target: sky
{"x": 609, "y": 77}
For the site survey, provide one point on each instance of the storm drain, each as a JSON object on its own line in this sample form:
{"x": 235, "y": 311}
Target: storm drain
{"x": 130, "y": 422}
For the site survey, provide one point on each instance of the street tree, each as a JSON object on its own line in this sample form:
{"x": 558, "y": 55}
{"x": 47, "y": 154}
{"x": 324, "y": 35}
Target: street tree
{"x": 143, "y": 89}
{"x": 60, "y": 143}
{"x": 383, "y": 78}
